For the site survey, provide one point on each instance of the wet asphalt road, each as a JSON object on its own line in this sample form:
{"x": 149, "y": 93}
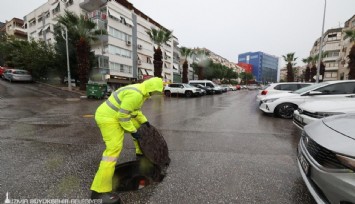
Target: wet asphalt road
{"x": 222, "y": 148}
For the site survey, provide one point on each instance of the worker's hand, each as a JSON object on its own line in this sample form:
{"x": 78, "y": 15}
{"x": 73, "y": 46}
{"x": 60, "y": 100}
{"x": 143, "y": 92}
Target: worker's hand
{"x": 136, "y": 135}
{"x": 147, "y": 124}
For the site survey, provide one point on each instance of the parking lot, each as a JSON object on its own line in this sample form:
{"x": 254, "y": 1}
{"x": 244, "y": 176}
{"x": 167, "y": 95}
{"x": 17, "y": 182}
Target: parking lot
{"x": 222, "y": 148}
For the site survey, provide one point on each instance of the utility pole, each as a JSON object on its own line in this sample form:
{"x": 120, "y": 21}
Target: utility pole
{"x": 67, "y": 49}
{"x": 321, "y": 43}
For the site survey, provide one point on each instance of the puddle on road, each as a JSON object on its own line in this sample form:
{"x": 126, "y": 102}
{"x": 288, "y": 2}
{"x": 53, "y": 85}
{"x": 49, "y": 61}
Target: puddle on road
{"x": 134, "y": 175}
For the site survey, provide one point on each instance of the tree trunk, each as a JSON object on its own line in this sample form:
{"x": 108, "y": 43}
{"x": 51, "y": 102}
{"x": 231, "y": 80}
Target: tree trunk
{"x": 158, "y": 64}
{"x": 313, "y": 73}
{"x": 290, "y": 77}
{"x": 352, "y": 62}
{"x": 83, "y": 62}
{"x": 307, "y": 74}
{"x": 321, "y": 71}
{"x": 200, "y": 73}
{"x": 185, "y": 69}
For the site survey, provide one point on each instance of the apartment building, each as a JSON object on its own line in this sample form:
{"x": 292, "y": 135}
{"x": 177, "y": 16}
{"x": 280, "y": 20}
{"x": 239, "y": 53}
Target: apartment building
{"x": 331, "y": 45}
{"x": 345, "y": 46}
{"x": 14, "y": 27}
{"x": 40, "y": 22}
{"x": 125, "y": 53}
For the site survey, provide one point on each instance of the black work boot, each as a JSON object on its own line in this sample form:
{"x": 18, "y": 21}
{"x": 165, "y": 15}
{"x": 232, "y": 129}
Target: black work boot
{"x": 106, "y": 198}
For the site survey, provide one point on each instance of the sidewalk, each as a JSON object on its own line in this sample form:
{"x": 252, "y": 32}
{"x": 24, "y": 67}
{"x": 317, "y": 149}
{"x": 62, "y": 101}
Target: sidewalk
{"x": 65, "y": 88}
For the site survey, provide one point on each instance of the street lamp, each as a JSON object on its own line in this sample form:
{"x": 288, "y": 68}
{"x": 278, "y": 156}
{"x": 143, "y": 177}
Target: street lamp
{"x": 68, "y": 66}
{"x": 321, "y": 43}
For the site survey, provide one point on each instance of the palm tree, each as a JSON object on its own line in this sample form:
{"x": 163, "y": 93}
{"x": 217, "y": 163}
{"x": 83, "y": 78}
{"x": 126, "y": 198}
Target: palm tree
{"x": 185, "y": 52}
{"x": 351, "y": 34}
{"x": 202, "y": 55}
{"x": 158, "y": 37}
{"x": 83, "y": 31}
{"x": 290, "y": 59}
{"x": 307, "y": 74}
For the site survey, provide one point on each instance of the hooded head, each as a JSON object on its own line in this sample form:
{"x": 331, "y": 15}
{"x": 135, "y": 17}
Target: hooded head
{"x": 154, "y": 84}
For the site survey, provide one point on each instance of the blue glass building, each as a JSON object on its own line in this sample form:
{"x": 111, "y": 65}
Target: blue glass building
{"x": 265, "y": 66}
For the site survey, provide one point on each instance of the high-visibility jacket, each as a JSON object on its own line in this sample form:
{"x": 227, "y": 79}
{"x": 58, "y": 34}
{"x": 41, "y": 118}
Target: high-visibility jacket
{"x": 126, "y": 102}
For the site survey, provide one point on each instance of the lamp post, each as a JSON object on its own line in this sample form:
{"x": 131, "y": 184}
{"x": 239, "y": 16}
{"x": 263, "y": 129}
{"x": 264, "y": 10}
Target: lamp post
{"x": 321, "y": 43}
{"x": 67, "y": 50}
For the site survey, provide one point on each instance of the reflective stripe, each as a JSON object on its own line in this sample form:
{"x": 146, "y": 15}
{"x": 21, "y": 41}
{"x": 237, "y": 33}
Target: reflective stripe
{"x": 138, "y": 109}
{"x": 111, "y": 105}
{"x": 109, "y": 159}
{"x": 124, "y": 119}
{"x": 124, "y": 111}
{"x": 115, "y": 95}
{"x": 134, "y": 116}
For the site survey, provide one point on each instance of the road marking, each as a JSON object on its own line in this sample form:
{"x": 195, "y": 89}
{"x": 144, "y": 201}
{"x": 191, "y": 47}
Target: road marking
{"x": 88, "y": 116}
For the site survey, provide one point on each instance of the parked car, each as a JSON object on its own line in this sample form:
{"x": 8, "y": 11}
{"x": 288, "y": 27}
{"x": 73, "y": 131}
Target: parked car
{"x": 183, "y": 89}
{"x": 312, "y": 111}
{"x": 229, "y": 87}
{"x": 275, "y": 88}
{"x": 2, "y": 70}
{"x": 224, "y": 89}
{"x": 238, "y": 87}
{"x": 284, "y": 104}
{"x": 208, "y": 90}
{"x": 17, "y": 75}
{"x": 326, "y": 159}
{"x": 253, "y": 87}
{"x": 217, "y": 89}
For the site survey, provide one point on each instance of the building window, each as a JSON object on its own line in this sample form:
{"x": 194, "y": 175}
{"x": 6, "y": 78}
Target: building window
{"x": 120, "y": 68}
{"x": 119, "y": 51}
{"x": 119, "y": 34}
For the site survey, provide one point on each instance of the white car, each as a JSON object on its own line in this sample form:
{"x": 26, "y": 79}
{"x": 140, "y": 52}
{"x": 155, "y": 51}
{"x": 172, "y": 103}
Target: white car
{"x": 183, "y": 89}
{"x": 284, "y": 104}
{"x": 315, "y": 110}
{"x": 325, "y": 158}
{"x": 275, "y": 88}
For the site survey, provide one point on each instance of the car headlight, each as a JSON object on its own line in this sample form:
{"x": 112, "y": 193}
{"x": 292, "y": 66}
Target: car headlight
{"x": 270, "y": 100}
{"x": 347, "y": 161}
{"x": 326, "y": 114}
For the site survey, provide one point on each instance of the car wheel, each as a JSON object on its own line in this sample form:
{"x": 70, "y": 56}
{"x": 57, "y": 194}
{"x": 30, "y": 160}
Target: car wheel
{"x": 167, "y": 93}
{"x": 188, "y": 93}
{"x": 286, "y": 110}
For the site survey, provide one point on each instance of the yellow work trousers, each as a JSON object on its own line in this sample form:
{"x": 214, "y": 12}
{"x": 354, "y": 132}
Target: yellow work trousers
{"x": 113, "y": 135}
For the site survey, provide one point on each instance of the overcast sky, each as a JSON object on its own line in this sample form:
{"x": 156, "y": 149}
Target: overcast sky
{"x": 232, "y": 27}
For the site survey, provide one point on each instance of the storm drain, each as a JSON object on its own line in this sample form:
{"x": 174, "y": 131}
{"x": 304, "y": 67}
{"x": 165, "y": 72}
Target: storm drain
{"x": 149, "y": 169}
{"x": 135, "y": 175}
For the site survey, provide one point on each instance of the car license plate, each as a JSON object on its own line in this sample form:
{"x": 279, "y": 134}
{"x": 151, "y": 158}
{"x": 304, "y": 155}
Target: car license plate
{"x": 304, "y": 163}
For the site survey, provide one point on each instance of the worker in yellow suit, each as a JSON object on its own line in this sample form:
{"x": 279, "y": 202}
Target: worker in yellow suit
{"x": 120, "y": 113}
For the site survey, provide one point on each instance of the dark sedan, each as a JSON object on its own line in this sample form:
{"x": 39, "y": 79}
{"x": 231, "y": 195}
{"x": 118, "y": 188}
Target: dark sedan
{"x": 207, "y": 89}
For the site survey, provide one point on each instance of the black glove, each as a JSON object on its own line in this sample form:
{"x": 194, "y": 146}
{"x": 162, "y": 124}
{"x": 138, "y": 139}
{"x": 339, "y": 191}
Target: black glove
{"x": 136, "y": 135}
{"x": 147, "y": 124}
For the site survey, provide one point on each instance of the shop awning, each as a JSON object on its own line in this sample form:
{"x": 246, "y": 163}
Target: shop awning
{"x": 128, "y": 21}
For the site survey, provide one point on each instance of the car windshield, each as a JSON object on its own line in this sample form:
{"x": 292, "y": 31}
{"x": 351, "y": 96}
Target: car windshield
{"x": 20, "y": 72}
{"x": 188, "y": 86}
{"x": 308, "y": 88}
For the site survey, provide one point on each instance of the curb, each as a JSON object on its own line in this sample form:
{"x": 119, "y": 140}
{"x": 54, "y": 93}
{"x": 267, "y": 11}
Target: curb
{"x": 82, "y": 95}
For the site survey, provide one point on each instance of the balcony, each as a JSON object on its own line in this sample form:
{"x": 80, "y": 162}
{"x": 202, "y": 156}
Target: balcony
{"x": 91, "y": 5}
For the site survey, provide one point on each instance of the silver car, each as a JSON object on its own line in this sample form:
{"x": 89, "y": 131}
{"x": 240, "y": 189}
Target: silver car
{"x": 17, "y": 75}
{"x": 326, "y": 159}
